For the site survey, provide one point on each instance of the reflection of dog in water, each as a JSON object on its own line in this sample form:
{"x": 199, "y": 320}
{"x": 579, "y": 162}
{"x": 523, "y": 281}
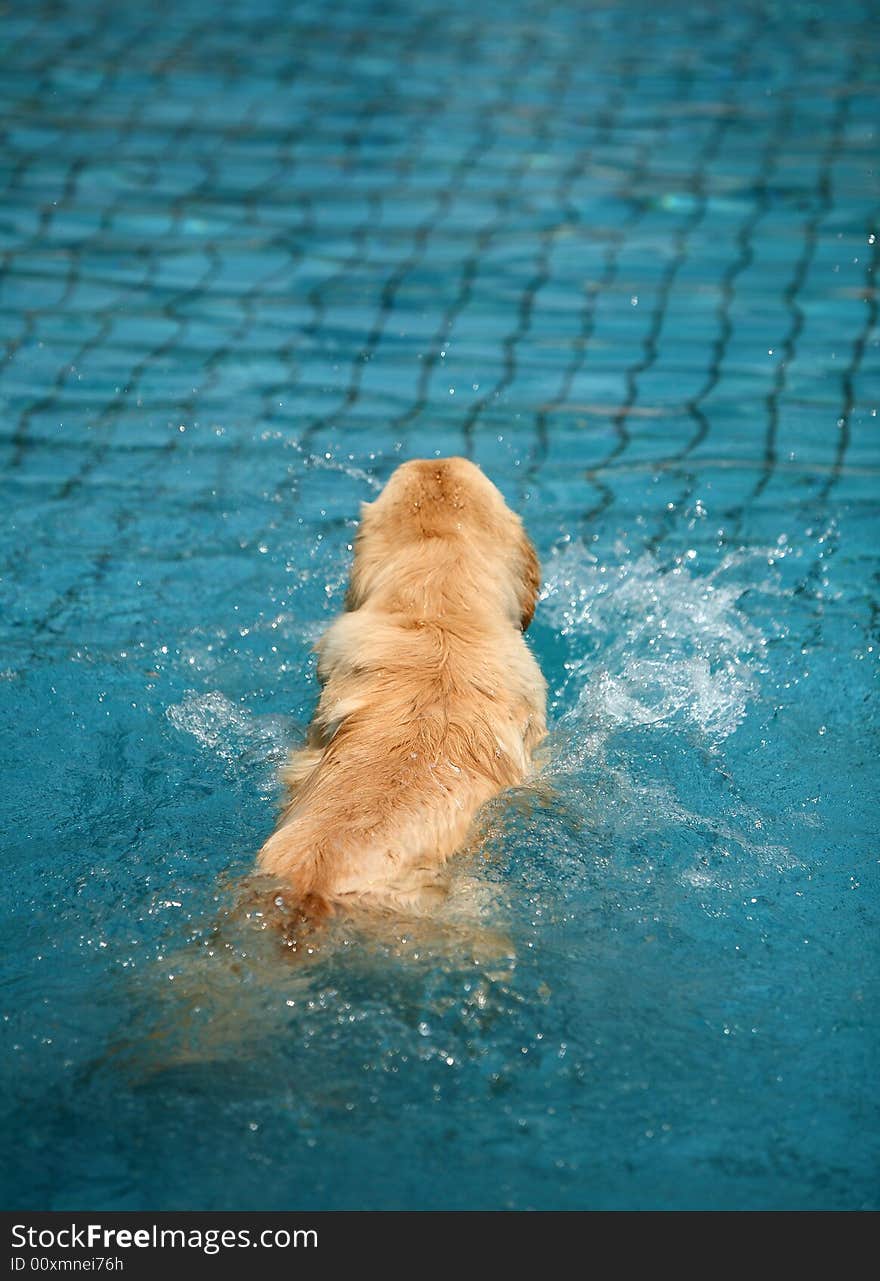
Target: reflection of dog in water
{"x": 431, "y": 704}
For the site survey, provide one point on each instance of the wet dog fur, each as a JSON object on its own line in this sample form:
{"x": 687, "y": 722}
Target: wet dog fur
{"x": 431, "y": 701}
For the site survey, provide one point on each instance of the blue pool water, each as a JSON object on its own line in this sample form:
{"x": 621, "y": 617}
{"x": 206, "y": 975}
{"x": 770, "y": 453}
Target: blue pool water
{"x": 623, "y": 255}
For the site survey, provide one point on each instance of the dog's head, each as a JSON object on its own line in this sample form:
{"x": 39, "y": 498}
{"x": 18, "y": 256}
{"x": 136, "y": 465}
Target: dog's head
{"x": 441, "y": 517}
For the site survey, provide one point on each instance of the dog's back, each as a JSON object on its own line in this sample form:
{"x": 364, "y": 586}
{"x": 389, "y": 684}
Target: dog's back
{"x": 432, "y": 702}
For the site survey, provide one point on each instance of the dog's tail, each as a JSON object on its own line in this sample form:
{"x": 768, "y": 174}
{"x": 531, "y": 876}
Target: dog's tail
{"x": 314, "y": 907}
{"x": 296, "y": 920}
{"x": 294, "y": 858}
{"x": 289, "y": 903}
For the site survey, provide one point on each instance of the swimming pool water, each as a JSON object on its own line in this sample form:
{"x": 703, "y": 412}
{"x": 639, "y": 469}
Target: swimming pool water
{"x": 624, "y": 257}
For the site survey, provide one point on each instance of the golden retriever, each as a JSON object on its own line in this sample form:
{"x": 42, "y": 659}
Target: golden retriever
{"x": 431, "y": 703}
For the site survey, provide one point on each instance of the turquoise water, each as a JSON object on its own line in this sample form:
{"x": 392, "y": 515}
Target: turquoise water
{"x": 623, "y": 256}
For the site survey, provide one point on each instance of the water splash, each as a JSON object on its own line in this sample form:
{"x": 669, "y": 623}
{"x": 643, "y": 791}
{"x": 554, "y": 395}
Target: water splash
{"x": 231, "y": 731}
{"x": 649, "y": 645}
{"x": 661, "y": 667}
